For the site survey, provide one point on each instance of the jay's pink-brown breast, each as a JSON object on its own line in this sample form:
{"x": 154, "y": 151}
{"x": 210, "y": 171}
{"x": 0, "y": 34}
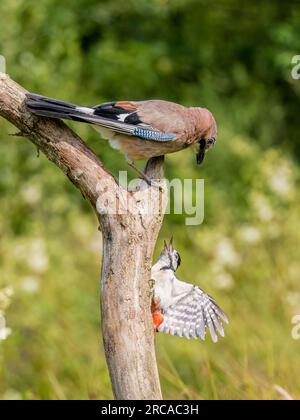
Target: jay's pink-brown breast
{"x": 138, "y": 149}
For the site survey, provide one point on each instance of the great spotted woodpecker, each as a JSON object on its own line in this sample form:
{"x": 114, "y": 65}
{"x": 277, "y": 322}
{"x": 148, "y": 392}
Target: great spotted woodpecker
{"x": 180, "y": 308}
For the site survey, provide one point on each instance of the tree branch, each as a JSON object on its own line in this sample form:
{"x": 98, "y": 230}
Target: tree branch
{"x": 57, "y": 141}
{"x": 129, "y": 237}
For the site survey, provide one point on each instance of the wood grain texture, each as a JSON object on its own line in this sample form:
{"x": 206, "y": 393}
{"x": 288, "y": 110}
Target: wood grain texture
{"x": 129, "y": 238}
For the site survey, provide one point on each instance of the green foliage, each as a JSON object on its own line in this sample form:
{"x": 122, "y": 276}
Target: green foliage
{"x": 233, "y": 57}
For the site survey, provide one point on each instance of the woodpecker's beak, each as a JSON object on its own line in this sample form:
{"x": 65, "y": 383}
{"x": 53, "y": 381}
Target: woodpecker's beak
{"x": 166, "y": 248}
{"x": 171, "y": 249}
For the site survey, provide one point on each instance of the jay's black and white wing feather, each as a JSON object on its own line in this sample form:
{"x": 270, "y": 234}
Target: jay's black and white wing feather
{"x": 192, "y": 315}
{"x": 120, "y": 117}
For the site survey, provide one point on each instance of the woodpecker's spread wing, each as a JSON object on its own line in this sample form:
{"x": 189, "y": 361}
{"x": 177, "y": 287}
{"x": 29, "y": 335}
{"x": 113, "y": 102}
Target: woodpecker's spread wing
{"x": 192, "y": 315}
{"x": 120, "y": 117}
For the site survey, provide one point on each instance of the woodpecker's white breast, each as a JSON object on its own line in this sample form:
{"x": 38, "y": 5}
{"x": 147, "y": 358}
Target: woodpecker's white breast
{"x": 168, "y": 288}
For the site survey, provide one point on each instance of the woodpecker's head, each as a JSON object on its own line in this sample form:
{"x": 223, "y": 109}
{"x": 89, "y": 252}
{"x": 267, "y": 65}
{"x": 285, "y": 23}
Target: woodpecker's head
{"x": 170, "y": 258}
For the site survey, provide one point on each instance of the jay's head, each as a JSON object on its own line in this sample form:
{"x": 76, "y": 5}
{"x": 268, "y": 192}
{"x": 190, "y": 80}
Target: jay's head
{"x": 170, "y": 257}
{"x": 208, "y": 137}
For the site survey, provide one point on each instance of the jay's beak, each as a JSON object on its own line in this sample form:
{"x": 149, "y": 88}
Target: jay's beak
{"x": 201, "y": 151}
{"x": 200, "y": 156}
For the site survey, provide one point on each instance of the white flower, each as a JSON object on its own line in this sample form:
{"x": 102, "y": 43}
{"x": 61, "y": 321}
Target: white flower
{"x": 293, "y": 299}
{"x": 34, "y": 254}
{"x": 262, "y": 208}
{"x": 12, "y": 394}
{"x": 30, "y": 284}
{"x": 226, "y": 254}
{"x": 4, "y": 331}
{"x": 37, "y": 257}
{"x": 281, "y": 182}
{"x": 224, "y": 281}
{"x": 31, "y": 194}
{"x": 250, "y": 234}
{"x": 5, "y": 297}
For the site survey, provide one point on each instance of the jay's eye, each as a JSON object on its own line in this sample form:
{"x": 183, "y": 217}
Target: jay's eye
{"x": 211, "y": 142}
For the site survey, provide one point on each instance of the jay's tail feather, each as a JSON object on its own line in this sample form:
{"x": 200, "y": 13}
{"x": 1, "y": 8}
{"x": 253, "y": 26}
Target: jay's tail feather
{"x": 53, "y": 108}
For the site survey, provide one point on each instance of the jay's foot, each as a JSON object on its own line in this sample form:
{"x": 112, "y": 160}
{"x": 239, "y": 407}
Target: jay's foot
{"x": 142, "y": 174}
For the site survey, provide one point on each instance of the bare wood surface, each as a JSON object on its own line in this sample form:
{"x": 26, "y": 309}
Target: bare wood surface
{"x": 129, "y": 237}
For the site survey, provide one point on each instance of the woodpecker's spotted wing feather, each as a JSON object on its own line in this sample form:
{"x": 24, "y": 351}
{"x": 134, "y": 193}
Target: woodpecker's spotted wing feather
{"x": 192, "y": 315}
{"x": 120, "y": 117}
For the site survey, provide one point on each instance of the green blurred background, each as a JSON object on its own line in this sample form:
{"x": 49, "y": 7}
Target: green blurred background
{"x": 233, "y": 57}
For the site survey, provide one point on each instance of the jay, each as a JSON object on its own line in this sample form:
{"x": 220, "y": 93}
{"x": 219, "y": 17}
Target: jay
{"x": 140, "y": 130}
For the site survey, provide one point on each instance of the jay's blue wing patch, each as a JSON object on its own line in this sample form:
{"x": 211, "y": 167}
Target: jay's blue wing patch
{"x": 153, "y": 135}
